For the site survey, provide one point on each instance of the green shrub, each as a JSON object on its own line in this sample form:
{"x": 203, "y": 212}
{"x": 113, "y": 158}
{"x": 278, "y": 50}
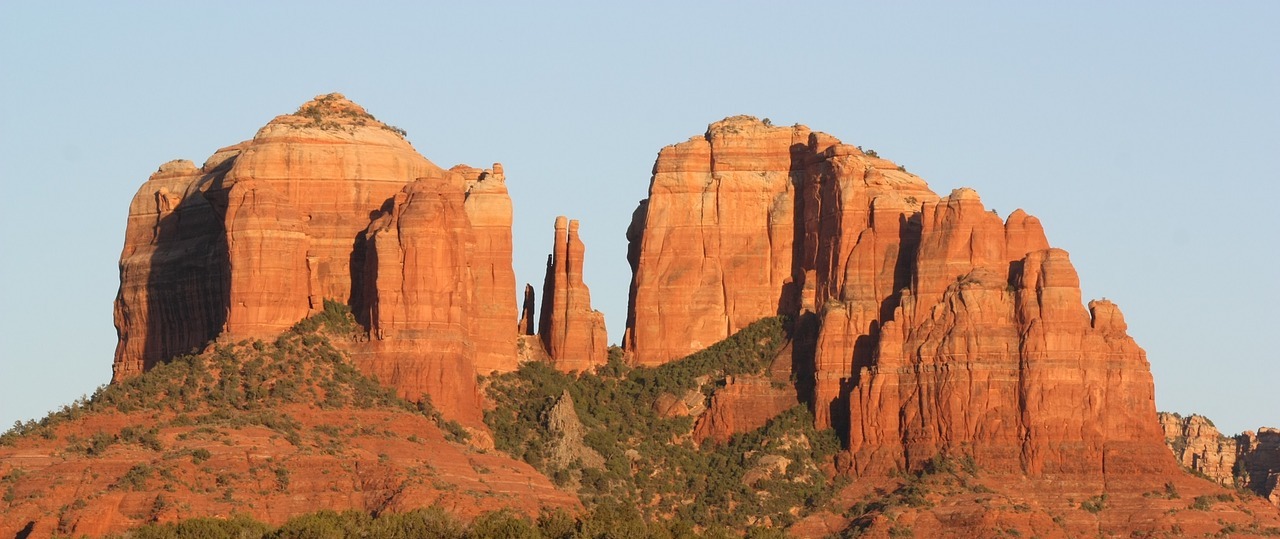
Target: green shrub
{"x": 556, "y": 524}
{"x": 136, "y": 478}
{"x": 324, "y": 525}
{"x": 502, "y": 525}
{"x": 200, "y": 455}
{"x": 429, "y": 522}
{"x": 1095, "y": 504}
{"x": 1205, "y": 503}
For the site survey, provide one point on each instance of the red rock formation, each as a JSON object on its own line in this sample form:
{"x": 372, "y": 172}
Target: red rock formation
{"x": 173, "y": 269}
{"x": 257, "y": 238}
{"x": 742, "y": 405}
{"x": 525, "y": 326}
{"x": 859, "y": 243}
{"x": 940, "y": 328}
{"x": 419, "y": 276}
{"x": 573, "y": 334}
{"x": 1260, "y": 455}
{"x": 267, "y": 253}
{"x": 335, "y": 165}
{"x": 1018, "y": 376}
{"x": 752, "y": 221}
{"x": 1197, "y": 445}
{"x": 716, "y": 243}
{"x": 488, "y": 208}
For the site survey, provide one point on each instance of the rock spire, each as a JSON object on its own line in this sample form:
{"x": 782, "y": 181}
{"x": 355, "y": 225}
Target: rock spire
{"x": 571, "y": 331}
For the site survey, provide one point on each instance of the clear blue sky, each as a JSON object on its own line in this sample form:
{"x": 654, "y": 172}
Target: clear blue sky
{"x": 1145, "y": 135}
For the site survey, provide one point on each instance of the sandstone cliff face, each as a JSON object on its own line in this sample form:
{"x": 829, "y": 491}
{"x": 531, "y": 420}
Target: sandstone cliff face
{"x": 264, "y": 232}
{"x": 420, "y": 315}
{"x": 1019, "y": 376}
{"x": 742, "y": 405}
{"x": 266, "y": 253}
{"x": 752, "y": 220}
{"x": 933, "y": 327}
{"x": 488, "y": 208}
{"x": 333, "y": 165}
{"x": 1260, "y": 456}
{"x": 715, "y": 247}
{"x": 175, "y": 254}
{"x": 1197, "y": 445}
{"x": 572, "y": 333}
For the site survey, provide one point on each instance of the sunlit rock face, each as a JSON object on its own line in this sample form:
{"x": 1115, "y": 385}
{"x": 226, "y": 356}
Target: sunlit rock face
{"x": 924, "y": 326}
{"x": 267, "y": 230}
{"x": 572, "y": 333}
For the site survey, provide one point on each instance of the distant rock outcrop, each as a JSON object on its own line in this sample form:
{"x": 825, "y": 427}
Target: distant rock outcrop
{"x": 264, "y": 232}
{"x": 1247, "y": 460}
{"x": 1198, "y": 446}
{"x": 572, "y": 333}
{"x": 568, "y": 447}
{"x": 1260, "y": 455}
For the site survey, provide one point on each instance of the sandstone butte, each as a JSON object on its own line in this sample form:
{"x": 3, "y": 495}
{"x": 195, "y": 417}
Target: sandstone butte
{"x": 937, "y": 326}
{"x": 572, "y": 333}
{"x": 923, "y": 326}
{"x": 325, "y": 203}
{"x": 926, "y": 326}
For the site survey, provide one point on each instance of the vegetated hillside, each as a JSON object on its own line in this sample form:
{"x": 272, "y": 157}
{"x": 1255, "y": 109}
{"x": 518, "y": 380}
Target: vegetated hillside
{"x": 956, "y": 498}
{"x": 602, "y": 434}
{"x": 266, "y": 429}
{"x": 433, "y": 523}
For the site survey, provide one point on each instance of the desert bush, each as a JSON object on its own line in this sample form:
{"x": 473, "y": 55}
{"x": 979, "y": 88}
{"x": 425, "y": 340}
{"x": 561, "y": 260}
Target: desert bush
{"x": 1095, "y": 504}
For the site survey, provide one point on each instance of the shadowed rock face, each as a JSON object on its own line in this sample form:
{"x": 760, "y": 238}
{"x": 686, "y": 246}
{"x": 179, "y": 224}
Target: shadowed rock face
{"x": 925, "y": 325}
{"x": 1260, "y": 453}
{"x": 572, "y": 333}
{"x": 264, "y": 232}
